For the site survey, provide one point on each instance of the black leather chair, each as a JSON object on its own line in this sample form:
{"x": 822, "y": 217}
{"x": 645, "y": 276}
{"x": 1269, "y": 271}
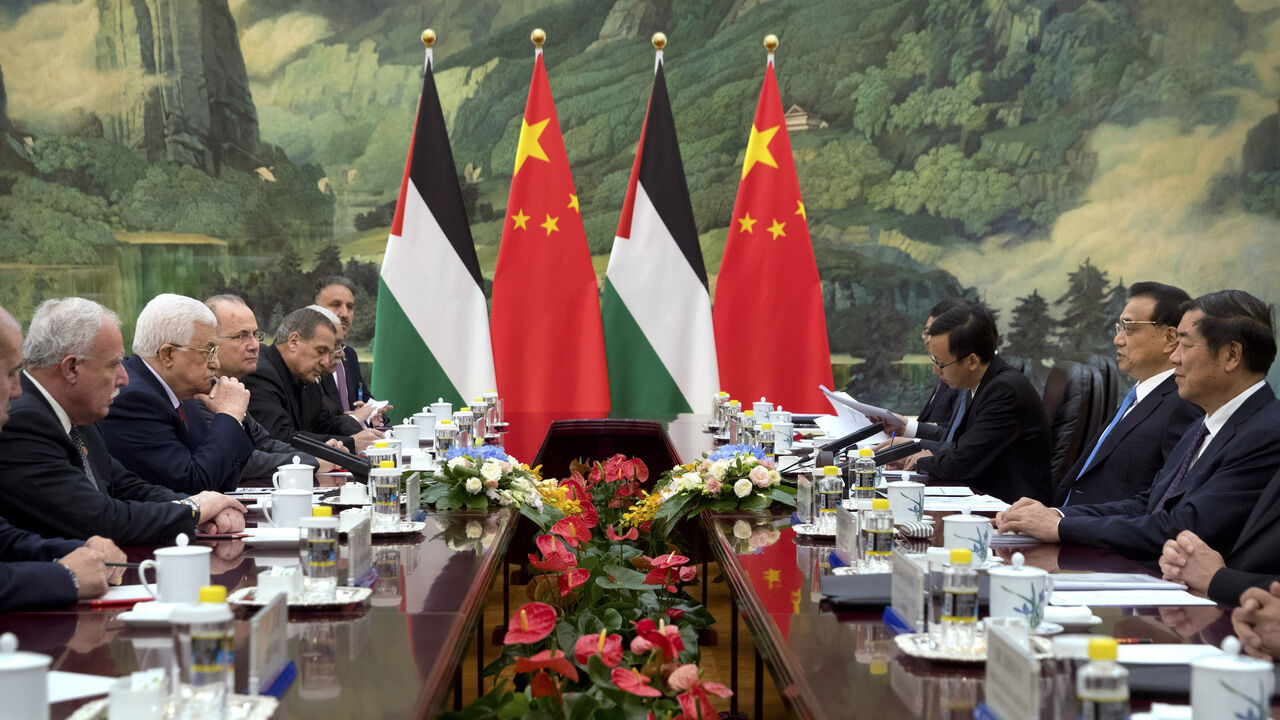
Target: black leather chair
{"x": 1073, "y": 403}
{"x": 1113, "y": 381}
{"x": 602, "y": 438}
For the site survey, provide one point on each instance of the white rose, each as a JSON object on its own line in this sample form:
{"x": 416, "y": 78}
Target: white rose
{"x": 512, "y": 459}
{"x": 491, "y": 470}
{"x": 719, "y": 468}
{"x": 742, "y": 530}
{"x": 504, "y": 498}
{"x": 742, "y": 488}
{"x": 692, "y": 481}
{"x": 775, "y": 477}
{"x": 473, "y": 486}
{"x": 474, "y": 529}
{"x": 458, "y": 462}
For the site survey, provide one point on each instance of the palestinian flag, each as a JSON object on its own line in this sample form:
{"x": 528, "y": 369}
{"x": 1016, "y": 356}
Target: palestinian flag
{"x": 657, "y": 311}
{"x": 431, "y": 339}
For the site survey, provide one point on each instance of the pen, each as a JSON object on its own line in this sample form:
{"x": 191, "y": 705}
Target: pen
{"x": 221, "y": 536}
{"x": 131, "y": 566}
{"x": 1135, "y": 641}
{"x": 892, "y": 437}
{"x": 117, "y": 602}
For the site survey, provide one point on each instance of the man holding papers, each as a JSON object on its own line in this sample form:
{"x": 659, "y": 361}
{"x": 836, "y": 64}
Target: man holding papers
{"x": 1214, "y": 477}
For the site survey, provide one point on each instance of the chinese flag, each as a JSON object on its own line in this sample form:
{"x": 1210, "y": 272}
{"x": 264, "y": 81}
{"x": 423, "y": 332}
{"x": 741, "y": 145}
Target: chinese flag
{"x": 548, "y": 348}
{"x": 771, "y": 334}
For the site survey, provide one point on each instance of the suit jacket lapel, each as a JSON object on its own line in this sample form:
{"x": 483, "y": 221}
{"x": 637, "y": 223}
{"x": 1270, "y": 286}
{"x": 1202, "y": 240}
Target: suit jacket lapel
{"x": 1136, "y": 417}
{"x": 152, "y": 384}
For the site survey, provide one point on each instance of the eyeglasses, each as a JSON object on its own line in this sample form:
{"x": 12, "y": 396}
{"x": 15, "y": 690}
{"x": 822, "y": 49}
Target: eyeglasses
{"x": 340, "y": 352}
{"x": 1126, "y": 326}
{"x": 243, "y": 336}
{"x": 941, "y": 366}
{"x": 209, "y": 353}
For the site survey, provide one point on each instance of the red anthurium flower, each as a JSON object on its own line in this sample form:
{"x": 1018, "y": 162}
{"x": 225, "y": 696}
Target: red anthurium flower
{"x": 555, "y": 556}
{"x": 635, "y": 468}
{"x": 573, "y": 529}
{"x": 532, "y": 622}
{"x": 572, "y": 579}
{"x": 548, "y": 660}
{"x": 667, "y": 561}
{"x": 674, "y": 613}
{"x": 666, "y": 637}
{"x": 608, "y": 647}
{"x": 630, "y": 534}
{"x": 543, "y": 684}
{"x": 632, "y": 681}
{"x": 693, "y": 699}
{"x": 687, "y": 573}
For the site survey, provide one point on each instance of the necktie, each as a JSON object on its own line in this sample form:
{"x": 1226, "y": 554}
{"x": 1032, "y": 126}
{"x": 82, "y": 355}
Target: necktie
{"x": 340, "y": 379}
{"x": 182, "y": 415}
{"x": 1184, "y": 466}
{"x": 84, "y": 456}
{"x": 1124, "y": 406}
{"x": 955, "y": 422}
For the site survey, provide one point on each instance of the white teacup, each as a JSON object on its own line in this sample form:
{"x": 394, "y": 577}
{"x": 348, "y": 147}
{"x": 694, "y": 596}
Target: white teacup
{"x": 1231, "y": 685}
{"x": 906, "y": 501}
{"x": 23, "y": 683}
{"x": 442, "y": 409}
{"x": 782, "y": 437}
{"x": 294, "y": 475}
{"x": 288, "y": 506}
{"x": 180, "y": 573}
{"x": 970, "y": 532}
{"x": 408, "y": 434}
{"x": 1018, "y": 591}
{"x": 762, "y": 408}
{"x": 353, "y": 493}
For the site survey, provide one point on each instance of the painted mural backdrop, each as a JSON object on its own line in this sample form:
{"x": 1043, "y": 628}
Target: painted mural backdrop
{"x": 1036, "y": 154}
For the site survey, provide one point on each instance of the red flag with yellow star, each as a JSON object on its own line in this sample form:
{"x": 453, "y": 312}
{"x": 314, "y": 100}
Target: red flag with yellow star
{"x": 771, "y": 334}
{"x": 548, "y": 347}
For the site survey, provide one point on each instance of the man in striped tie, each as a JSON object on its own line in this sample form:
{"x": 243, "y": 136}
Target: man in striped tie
{"x": 1123, "y": 459}
{"x": 1216, "y": 473}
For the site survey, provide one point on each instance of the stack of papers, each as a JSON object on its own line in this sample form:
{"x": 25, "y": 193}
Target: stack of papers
{"x": 850, "y": 415}
{"x": 1112, "y": 581}
{"x": 1126, "y": 598}
{"x": 973, "y": 503}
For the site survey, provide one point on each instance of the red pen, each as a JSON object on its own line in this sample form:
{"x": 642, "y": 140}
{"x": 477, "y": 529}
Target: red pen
{"x": 117, "y": 602}
{"x": 1135, "y": 641}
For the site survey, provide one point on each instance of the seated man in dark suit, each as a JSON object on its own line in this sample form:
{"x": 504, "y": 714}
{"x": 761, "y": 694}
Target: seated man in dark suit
{"x": 1253, "y": 561}
{"x": 1214, "y": 476}
{"x": 1001, "y": 444}
{"x": 337, "y": 295}
{"x": 156, "y": 427}
{"x": 1123, "y": 459}
{"x": 329, "y": 386}
{"x": 56, "y": 477}
{"x": 239, "y": 343}
{"x": 284, "y": 396}
{"x": 36, "y": 572}
{"x": 945, "y": 405}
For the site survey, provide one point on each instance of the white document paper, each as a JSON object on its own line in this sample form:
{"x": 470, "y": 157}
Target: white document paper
{"x": 120, "y": 593}
{"x": 65, "y": 686}
{"x": 1166, "y": 654}
{"x": 1127, "y": 598}
{"x": 1016, "y": 540}
{"x": 946, "y": 490}
{"x": 843, "y": 399}
{"x": 851, "y": 416}
{"x": 974, "y": 503}
{"x": 268, "y": 535}
{"x": 1111, "y": 581}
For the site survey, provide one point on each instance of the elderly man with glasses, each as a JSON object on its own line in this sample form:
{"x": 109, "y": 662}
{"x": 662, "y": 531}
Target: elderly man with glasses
{"x": 156, "y": 427}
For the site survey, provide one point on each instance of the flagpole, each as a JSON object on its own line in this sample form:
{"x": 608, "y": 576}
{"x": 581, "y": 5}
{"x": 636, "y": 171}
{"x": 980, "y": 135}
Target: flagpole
{"x": 428, "y": 39}
{"x": 770, "y": 44}
{"x": 538, "y": 36}
{"x": 659, "y": 42}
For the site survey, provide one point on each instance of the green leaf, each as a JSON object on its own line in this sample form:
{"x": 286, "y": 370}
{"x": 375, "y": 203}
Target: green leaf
{"x": 611, "y": 618}
{"x": 783, "y": 494}
{"x": 598, "y": 673}
{"x": 623, "y": 579}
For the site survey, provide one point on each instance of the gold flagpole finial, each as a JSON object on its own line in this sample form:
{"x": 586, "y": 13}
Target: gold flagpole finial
{"x": 659, "y": 40}
{"x": 538, "y": 36}
{"x": 428, "y": 37}
{"x": 771, "y": 42}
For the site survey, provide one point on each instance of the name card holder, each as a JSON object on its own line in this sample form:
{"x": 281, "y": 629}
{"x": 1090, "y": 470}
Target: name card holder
{"x": 413, "y": 497}
{"x": 360, "y": 553}
{"x": 1012, "y": 685}
{"x": 269, "y": 649}
{"x": 846, "y": 537}
{"x": 906, "y": 588}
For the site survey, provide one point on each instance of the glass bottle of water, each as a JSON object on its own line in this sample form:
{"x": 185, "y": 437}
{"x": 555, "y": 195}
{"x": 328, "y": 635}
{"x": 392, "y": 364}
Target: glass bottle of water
{"x": 864, "y": 476}
{"x": 385, "y": 483}
{"x": 1103, "y": 685}
{"x": 204, "y": 645}
{"x": 319, "y": 551}
{"x": 765, "y": 436}
{"x": 732, "y": 420}
{"x": 747, "y": 429}
{"x": 464, "y": 419}
{"x": 830, "y": 489}
{"x": 959, "y": 602}
{"x": 938, "y": 558}
{"x": 446, "y": 432}
{"x": 877, "y": 536}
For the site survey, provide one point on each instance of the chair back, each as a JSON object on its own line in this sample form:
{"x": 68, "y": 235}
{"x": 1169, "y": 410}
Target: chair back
{"x": 602, "y": 438}
{"x": 1072, "y": 402}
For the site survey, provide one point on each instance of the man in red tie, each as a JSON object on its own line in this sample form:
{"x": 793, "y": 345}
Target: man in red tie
{"x": 156, "y": 427}
{"x": 1216, "y": 473}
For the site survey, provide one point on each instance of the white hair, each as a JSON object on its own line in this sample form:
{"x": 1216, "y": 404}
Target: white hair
{"x": 62, "y": 327}
{"x": 329, "y": 314}
{"x": 169, "y": 320}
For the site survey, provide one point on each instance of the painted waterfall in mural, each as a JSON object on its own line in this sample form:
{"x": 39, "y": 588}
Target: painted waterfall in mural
{"x": 1035, "y": 154}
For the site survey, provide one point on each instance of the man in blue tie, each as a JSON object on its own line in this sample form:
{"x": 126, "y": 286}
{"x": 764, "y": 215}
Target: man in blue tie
{"x": 1216, "y": 473}
{"x": 1126, "y": 455}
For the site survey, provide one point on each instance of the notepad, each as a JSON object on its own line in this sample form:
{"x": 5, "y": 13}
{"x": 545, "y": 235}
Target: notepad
{"x": 1110, "y": 581}
{"x": 1127, "y": 598}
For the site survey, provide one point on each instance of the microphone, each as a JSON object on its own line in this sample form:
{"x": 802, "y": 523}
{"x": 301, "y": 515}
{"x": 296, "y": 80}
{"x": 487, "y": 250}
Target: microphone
{"x": 836, "y": 446}
{"x": 358, "y": 466}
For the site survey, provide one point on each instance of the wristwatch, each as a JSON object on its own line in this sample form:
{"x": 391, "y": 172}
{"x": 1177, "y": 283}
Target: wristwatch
{"x": 191, "y": 503}
{"x": 75, "y": 581}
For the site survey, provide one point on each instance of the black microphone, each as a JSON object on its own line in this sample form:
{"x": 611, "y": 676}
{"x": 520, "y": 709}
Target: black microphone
{"x": 836, "y": 446}
{"x": 358, "y": 466}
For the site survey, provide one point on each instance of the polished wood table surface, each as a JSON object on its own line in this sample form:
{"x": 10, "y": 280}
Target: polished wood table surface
{"x": 395, "y": 657}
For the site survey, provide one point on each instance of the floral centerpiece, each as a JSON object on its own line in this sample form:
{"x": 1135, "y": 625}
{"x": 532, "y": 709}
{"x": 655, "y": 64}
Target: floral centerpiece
{"x": 735, "y": 477}
{"x": 479, "y": 477}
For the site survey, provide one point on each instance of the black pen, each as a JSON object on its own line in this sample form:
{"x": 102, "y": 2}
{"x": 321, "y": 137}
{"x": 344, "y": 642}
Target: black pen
{"x": 131, "y": 566}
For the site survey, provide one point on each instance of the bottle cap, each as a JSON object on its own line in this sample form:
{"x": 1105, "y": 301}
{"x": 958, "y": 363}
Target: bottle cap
{"x": 749, "y": 413}
{"x": 1102, "y": 648}
{"x": 961, "y": 556}
{"x": 830, "y": 470}
{"x": 322, "y": 511}
{"x": 213, "y": 594}
{"x": 865, "y": 452}
{"x": 734, "y": 402}
{"x": 380, "y": 443}
{"x": 386, "y": 464}
{"x": 880, "y": 504}
{"x": 766, "y": 426}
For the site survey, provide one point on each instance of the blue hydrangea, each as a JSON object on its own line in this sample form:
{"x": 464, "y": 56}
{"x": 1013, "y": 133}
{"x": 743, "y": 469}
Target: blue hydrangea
{"x": 484, "y": 452}
{"x": 728, "y": 451}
